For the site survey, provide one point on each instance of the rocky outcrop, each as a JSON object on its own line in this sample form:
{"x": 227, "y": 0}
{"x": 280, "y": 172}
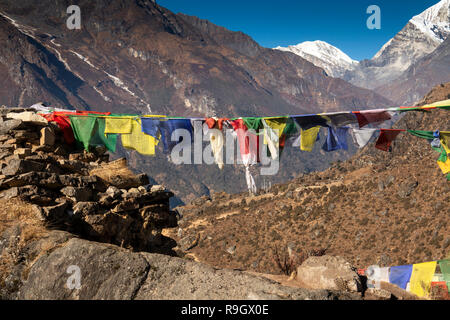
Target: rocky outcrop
{"x": 80, "y": 191}
{"x": 109, "y": 272}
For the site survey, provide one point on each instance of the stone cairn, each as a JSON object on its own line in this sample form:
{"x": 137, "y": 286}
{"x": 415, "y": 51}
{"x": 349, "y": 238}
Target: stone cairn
{"x": 78, "y": 191}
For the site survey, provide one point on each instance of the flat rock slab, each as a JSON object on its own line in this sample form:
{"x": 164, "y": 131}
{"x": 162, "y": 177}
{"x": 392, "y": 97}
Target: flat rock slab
{"x": 18, "y": 166}
{"x": 28, "y": 116}
{"x": 109, "y": 272}
{"x": 105, "y": 273}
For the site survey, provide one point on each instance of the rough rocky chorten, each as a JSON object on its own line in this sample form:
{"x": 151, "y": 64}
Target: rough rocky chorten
{"x": 80, "y": 191}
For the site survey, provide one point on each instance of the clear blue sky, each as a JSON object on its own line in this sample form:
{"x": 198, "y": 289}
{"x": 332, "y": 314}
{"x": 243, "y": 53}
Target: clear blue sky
{"x": 341, "y": 23}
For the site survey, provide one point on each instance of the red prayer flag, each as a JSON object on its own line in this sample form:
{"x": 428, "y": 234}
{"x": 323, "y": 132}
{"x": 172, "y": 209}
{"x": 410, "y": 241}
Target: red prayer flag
{"x": 366, "y": 117}
{"x": 249, "y": 149}
{"x": 386, "y": 137}
{"x": 211, "y": 122}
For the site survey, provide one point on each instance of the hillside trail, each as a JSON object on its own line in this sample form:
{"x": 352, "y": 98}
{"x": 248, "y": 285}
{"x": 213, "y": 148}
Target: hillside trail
{"x": 348, "y": 180}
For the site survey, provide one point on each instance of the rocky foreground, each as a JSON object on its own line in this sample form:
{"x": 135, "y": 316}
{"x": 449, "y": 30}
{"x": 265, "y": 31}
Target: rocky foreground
{"x": 75, "y": 226}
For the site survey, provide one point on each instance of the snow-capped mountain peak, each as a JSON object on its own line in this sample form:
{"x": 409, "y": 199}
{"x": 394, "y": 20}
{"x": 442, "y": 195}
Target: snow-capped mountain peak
{"x": 323, "y": 55}
{"x": 433, "y": 25}
{"x": 435, "y": 21}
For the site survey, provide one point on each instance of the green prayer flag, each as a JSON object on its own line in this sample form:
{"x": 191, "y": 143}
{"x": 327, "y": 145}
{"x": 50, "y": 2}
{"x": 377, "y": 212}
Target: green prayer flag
{"x": 445, "y": 269}
{"x": 422, "y": 134}
{"x": 254, "y": 123}
{"x": 291, "y": 127}
{"x": 90, "y": 130}
{"x": 99, "y": 137}
{"x": 401, "y": 110}
{"x": 82, "y": 127}
{"x": 430, "y": 136}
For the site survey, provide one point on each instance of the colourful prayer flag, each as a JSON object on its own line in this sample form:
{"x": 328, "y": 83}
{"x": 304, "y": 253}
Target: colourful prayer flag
{"x": 421, "y": 277}
{"x": 386, "y": 137}
{"x": 308, "y": 138}
{"x": 138, "y": 140}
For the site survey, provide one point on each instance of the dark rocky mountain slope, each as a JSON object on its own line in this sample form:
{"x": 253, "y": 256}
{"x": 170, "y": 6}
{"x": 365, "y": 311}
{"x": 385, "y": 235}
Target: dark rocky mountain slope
{"x": 137, "y": 57}
{"x": 416, "y": 81}
{"x": 130, "y": 56}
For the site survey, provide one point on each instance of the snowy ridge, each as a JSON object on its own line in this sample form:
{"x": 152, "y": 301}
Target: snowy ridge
{"x": 434, "y": 22}
{"x": 320, "y": 49}
{"x": 323, "y": 55}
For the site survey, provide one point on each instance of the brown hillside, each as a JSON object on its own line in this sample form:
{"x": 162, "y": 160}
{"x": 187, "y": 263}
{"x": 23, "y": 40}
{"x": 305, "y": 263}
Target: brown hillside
{"x": 377, "y": 208}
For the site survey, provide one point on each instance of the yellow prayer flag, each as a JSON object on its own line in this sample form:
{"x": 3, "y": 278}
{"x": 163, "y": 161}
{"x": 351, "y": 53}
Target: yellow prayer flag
{"x": 274, "y": 124}
{"x": 308, "y": 138}
{"x": 445, "y": 140}
{"x": 118, "y": 125}
{"x": 422, "y": 274}
{"x": 138, "y": 140}
{"x": 443, "y": 103}
{"x": 445, "y": 166}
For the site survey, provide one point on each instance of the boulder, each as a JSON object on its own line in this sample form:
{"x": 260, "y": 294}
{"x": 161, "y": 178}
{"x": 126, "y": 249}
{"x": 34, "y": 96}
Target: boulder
{"x": 159, "y": 216}
{"x": 10, "y": 193}
{"x": 188, "y": 242}
{"x": 84, "y": 156}
{"x": 56, "y": 212}
{"x": 328, "y": 272}
{"x": 157, "y": 188}
{"x": 74, "y": 166}
{"x": 113, "y": 192}
{"x": 107, "y": 273}
{"x": 377, "y": 294}
{"x": 85, "y": 208}
{"x": 407, "y": 188}
{"x": 77, "y": 194}
{"x": 126, "y": 205}
{"x": 43, "y": 179}
{"x": 4, "y": 154}
{"x": 47, "y": 137}
{"x": 107, "y": 201}
{"x": 6, "y": 147}
{"x": 6, "y": 126}
{"x": 18, "y": 166}
{"x": 117, "y": 173}
{"x": 22, "y": 152}
{"x": 24, "y": 135}
{"x": 21, "y": 180}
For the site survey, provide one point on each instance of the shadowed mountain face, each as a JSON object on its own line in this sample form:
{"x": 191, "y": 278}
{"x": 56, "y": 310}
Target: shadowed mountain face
{"x": 137, "y": 57}
{"x": 430, "y": 70}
